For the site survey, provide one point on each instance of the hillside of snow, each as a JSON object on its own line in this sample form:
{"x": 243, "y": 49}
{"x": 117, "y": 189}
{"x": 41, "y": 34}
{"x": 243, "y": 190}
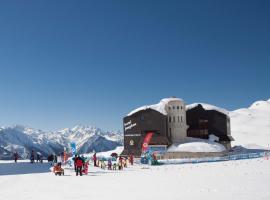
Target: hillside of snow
{"x": 250, "y": 127}
{"x": 23, "y": 140}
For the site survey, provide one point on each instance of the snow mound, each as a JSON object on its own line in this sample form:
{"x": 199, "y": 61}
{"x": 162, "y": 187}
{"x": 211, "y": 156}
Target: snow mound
{"x": 198, "y": 146}
{"x": 208, "y": 107}
{"x": 160, "y": 107}
{"x": 251, "y": 126}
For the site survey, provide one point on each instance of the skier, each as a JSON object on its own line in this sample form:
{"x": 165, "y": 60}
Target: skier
{"x": 16, "y": 156}
{"x": 95, "y": 159}
{"x": 79, "y": 164}
{"x": 32, "y": 157}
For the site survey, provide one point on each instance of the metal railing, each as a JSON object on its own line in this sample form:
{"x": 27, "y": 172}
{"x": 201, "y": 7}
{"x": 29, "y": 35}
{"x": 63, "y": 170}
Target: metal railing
{"x": 242, "y": 156}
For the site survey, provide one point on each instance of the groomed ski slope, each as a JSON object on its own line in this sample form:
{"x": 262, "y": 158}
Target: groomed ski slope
{"x": 241, "y": 180}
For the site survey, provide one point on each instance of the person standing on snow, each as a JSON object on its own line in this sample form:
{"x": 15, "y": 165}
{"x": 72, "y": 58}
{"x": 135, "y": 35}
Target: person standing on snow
{"x": 79, "y": 164}
{"x": 16, "y": 156}
{"x": 95, "y": 159}
{"x": 120, "y": 163}
{"x": 32, "y": 157}
{"x": 74, "y": 161}
{"x": 38, "y": 157}
{"x": 131, "y": 159}
{"x": 109, "y": 164}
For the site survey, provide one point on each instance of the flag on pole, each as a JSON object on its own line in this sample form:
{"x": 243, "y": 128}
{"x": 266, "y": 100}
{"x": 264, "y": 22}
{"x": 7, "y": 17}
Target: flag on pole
{"x": 73, "y": 148}
{"x": 65, "y": 155}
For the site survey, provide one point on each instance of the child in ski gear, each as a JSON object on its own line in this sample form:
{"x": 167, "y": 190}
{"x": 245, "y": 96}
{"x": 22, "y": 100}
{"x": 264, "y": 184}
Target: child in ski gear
{"x": 102, "y": 164}
{"x": 114, "y": 166}
{"x": 85, "y": 167}
{"x": 109, "y": 164}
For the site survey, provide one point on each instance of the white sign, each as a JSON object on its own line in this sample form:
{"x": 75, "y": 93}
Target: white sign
{"x": 129, "y": 125}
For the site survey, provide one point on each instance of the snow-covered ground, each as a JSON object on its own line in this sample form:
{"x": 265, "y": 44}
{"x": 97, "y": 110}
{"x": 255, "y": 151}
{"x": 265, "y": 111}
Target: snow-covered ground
{"x": 241, "y": 180}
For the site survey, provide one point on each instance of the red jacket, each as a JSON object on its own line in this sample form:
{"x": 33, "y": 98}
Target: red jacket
{"x": 79, "y": 162}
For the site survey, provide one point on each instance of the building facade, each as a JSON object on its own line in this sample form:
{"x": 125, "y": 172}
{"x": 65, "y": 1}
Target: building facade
{"x": 170, "y": 122}
{"x": 137, "y": 125}
{"x": 202, "y": 123}
{"x": 176, "y": 117}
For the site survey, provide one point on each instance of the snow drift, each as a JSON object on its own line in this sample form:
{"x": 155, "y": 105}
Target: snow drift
{"x": 197, "y": 145}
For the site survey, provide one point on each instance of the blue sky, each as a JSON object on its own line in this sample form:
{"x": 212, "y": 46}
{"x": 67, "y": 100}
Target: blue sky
{"x": 64, "y": 63}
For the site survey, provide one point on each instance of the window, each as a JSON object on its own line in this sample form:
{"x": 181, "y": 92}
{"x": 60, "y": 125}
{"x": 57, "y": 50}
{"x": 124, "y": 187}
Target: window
{"x": 181, "y": 119}
{"x": 177, "y": 107}
{"x": 173, "y": 107}
{"x": 181, "y": 107}
{"x": 170, "y": 119}
{"x": 169, "y": 107}
{"x": 173, "y": 118}
{"x": 142, "y": 118}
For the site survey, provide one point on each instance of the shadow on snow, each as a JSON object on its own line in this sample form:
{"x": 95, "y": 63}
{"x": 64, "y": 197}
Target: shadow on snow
{"x": 23, "y": 168}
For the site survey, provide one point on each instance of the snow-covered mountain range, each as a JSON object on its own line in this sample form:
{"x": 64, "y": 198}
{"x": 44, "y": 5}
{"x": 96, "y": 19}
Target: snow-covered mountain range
{"x": 24, "y": 139}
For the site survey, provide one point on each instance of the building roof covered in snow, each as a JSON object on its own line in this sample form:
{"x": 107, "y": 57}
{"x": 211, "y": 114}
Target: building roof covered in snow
{"x": 160, "y": 107}
{"x": 207, "y": 107}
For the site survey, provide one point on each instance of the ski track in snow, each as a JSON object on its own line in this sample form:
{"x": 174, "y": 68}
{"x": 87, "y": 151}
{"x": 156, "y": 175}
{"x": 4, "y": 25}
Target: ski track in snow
{"x": 243, "y": 179}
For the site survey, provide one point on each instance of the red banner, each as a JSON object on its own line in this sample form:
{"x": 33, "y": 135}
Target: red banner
{"x": 146, "y": 141}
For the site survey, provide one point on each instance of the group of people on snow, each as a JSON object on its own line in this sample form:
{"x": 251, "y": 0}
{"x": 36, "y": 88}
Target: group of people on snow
{"x": 114, "y": 162}
{"x": 38, "y": 156}
{"x": 81, "y": 163}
